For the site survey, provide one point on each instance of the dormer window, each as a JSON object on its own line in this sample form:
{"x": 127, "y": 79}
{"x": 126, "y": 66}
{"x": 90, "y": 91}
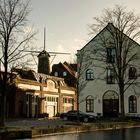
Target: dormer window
{"x": 110, "y": 55}
{"x": 55, "y": 73}
{"x": 64, "y": 73}
{"x": 132, "y": 73}
{"x": 89, "y": 74}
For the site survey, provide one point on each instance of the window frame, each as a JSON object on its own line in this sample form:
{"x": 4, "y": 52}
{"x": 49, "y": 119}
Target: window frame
{"x": 65, "y": 73}
{"x": 110, "y": 76}
{"x": 56, "y": 73}
{"x": 132, "y": 102}
{"x": 132, "y": 74}
{"x": 89, "y": 74}
{"x": 110, "y": 55}
{"x": 89, "y": 104}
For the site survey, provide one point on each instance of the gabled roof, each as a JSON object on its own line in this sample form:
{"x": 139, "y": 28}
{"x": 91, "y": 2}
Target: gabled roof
{"x": 96, "y": 36}
{"x": 69, "y": 68}
{"x": 109, "y": 25}
{"x": 32, "y": 75}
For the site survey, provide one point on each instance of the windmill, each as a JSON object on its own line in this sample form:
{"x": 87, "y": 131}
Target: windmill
{"x": 44, "y": 57}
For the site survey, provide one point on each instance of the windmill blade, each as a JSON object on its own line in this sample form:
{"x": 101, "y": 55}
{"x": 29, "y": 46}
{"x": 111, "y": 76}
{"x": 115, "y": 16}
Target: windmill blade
{"x": 34, "y": 59}
{"x": 59, "y": 53}
{"x": 46, "y": 51}
{"x": 53, "y": 58}
{"x": 30, "y": 51}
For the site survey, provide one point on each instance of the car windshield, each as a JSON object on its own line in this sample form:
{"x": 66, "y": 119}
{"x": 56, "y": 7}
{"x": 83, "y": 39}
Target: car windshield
{"x": 74, "y": 111}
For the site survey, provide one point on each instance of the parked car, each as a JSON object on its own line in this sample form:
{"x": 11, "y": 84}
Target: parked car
{"x": 74, "y": 115}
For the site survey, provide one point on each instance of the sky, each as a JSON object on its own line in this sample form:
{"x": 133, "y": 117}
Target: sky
{"x": 66, "y": 23}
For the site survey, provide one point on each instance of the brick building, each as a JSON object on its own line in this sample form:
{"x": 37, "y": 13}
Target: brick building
{"x": 32, "y": 94}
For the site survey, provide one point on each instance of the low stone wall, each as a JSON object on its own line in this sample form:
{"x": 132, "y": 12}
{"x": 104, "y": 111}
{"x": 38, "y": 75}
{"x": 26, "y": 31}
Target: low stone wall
{"x": 68, "y": 128}
{"x": 8, "y": 135}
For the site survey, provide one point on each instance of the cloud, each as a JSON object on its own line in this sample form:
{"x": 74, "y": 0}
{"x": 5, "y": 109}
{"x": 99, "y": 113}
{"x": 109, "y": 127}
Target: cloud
{"x": 78, "y": 40}
{"x": 68, "y": 47}
{"x": 78, "y": 43}
{"x": 60, "y": 48}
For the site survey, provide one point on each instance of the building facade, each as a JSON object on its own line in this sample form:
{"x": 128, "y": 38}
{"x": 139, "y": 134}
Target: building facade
{"x": 35, "y": 95}
{"x": 99, "y": 92}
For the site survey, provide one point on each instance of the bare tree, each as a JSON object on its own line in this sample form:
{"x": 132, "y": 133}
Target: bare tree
{"x": 15, "y": 37}
{"x": 123, "y": 30}
{"x": 81, "y": 83}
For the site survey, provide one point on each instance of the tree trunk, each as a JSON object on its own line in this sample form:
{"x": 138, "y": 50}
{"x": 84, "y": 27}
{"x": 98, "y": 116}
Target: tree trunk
{"x": 3, "y": 110}
{"x": 4, "y": 88}
{"x": 122, "y": 107}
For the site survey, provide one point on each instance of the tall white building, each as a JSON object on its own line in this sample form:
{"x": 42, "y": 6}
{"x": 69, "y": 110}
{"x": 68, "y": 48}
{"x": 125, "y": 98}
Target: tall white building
{"x": 102, "y": 64}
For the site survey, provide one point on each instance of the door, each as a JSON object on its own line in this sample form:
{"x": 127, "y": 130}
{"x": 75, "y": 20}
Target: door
{"x": 110, "y": 107}
{"x": 50, "y": 110}
{"x": 110, "y": 104}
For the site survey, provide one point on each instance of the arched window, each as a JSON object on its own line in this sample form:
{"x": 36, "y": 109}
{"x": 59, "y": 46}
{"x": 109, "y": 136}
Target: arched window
{"x": 89, "y": 74}
{"x": 132, "y": 73}
{"x": 89, "y": 104}
{"x": 110, "y": 94}
{"x": 132, "y": 104}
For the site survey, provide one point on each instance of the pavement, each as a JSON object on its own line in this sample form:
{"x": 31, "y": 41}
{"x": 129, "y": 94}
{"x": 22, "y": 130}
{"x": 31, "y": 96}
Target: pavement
{"x": 34, "y": 123}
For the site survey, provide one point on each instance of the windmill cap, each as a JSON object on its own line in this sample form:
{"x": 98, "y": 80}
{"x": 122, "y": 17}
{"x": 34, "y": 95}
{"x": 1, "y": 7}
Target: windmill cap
{"x": 43, "y": 53}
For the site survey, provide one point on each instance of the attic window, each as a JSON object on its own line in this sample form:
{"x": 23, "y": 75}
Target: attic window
{"x": 110, "y": 55}
{"x": 56, "y": 73}
{"x": 64, "y": 73}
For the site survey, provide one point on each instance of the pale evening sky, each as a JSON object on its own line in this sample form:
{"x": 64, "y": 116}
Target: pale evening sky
{"x": 66, "y": 22}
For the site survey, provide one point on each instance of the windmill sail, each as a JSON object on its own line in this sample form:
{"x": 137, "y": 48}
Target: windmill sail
{"x": 43, "y": 57}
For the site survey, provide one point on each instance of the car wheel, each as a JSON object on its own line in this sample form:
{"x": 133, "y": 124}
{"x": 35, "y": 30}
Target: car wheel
{"x": 65, "y": 118}
{"x": 85, "y": 119}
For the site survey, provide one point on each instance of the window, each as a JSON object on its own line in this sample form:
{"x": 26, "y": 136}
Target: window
{"x": 110, "y": 76}
{"x": 132, "y": 73}
{"x": 132, "y": 104}
{"x": 89, "y": 74}
{"x": 64, "y": 73}
{"x": 52, "y": 99}
{"x": 110, "y": 55}
{"x": 65, "y": 100}
{"x": 56, "y": 73}
{"x": 89, "y": 104}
